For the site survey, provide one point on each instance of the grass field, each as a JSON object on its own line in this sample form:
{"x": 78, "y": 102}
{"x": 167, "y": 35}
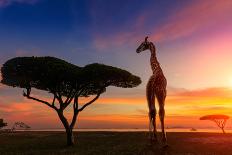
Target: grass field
{"x": 114, "y": 143}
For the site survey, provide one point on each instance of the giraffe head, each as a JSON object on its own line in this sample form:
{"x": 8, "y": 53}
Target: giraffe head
{"x": 143, "y": 46}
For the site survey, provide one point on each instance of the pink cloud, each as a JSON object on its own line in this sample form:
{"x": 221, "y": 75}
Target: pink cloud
{"x": 187, "y": 21}
{"x": 121, "y": 38}
{"x": 193, "y": 17}
{"x": 118, "y": 40}
{"x": 221, "y": 92}
{"x": 4, "y": 3}
{"x": 28, "y": 52}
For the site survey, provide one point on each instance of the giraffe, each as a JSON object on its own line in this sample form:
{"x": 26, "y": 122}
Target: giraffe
{"x": 156, "y": 88}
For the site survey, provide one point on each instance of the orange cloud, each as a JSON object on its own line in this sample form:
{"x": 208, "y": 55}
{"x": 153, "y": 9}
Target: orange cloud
{"x": 16, "y": 107}
{"x": 140, "y": 121}
{"x": 115, "y": 100}
{"x": 182, "y": 106}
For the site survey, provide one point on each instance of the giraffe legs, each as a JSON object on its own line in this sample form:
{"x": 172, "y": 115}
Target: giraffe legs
{"x": 161, "y": 100}
{"x": 152, "y": 112}
{"x": 156, "y": 88}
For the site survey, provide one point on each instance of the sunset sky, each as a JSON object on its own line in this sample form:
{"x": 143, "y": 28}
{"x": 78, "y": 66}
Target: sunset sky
{"x": 194, "y": 47}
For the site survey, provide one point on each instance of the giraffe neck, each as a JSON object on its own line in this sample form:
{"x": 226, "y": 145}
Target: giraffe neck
{"x": 153, "y": 60}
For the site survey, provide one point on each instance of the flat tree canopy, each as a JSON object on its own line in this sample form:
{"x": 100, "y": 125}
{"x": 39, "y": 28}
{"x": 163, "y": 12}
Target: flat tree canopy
{"x": 44, "y": 73}
{"x": 213, "y": 117}
{"x": 67, "y": 82}
{"x": 100, "y": 76}
{"x": 56, "y": 75}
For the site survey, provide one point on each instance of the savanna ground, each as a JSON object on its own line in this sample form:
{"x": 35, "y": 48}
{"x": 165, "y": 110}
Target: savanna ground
{"x": 113, "y": 143}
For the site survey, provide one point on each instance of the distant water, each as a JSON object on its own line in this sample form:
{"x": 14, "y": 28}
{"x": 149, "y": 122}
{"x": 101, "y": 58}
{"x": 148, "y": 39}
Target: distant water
{"x": 137, "y": 130}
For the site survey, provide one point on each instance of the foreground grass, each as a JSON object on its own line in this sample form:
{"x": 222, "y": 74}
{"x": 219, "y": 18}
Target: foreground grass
{"x": 113, "y": 143}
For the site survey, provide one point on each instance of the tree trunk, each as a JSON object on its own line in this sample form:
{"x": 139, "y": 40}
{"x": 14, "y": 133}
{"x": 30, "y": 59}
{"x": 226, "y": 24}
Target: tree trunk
{"x": 68, "y": 129}
{"x": 223, "y": 131}
{"x": 70, "y": 138}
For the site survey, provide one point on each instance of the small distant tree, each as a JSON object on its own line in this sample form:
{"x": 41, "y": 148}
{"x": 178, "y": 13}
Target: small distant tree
{"x": 20, "y": 125}
{"x": 2, "y": 123}
{"x": 220, "y": 120}
{"x": 65, "y": 81}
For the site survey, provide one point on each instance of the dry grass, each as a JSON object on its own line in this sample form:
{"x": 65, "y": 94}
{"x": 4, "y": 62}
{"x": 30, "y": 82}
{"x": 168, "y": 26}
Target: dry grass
{"x": 114, "y": 143}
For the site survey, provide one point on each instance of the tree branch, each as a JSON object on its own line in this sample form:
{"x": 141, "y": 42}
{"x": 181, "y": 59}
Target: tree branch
{"x": 82, "y": 89}
{"x": 59, "y": 99}
{"x": 75, "y": 112}
{"x": 67, "y": 102}
{"x": 54, "y": 98}
{"x": 90, "y": 102}
{"x": 68, "y": 97}
{"x": 71, "y": 96}
{"x": 27, "y": 95}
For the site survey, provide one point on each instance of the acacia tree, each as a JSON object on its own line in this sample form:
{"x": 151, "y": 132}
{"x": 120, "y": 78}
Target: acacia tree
{"x": 20, "y": 125}
{"x": 2, "y": 123}
{"x": 65, "y": 81}
{"x": 220, "y": 120}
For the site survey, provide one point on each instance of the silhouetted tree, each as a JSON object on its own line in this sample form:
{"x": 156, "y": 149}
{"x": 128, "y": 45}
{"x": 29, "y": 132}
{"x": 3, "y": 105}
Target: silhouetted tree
{"x": 220, "y": 120}
{"x": 2, "y": 123}
{"x": 65, "y": 81}
{"x": 20, "y": 125}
